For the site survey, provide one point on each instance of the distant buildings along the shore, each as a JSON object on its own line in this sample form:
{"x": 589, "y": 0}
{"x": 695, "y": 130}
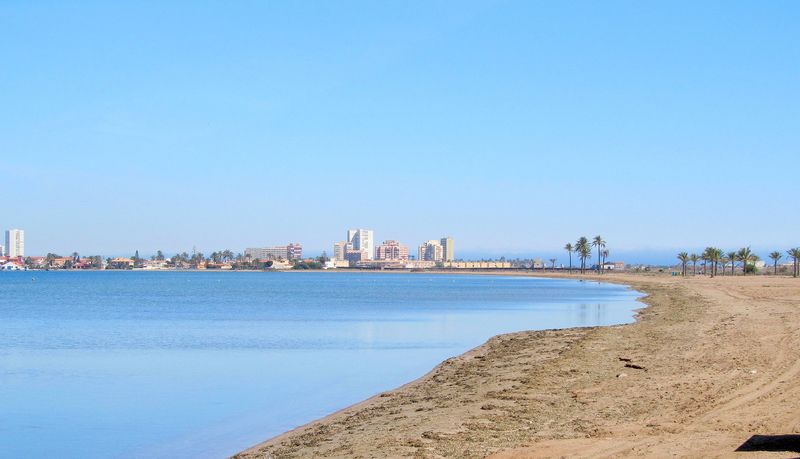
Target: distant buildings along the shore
{"x": 359, "y": 250}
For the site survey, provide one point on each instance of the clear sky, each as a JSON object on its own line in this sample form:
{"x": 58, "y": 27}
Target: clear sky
{"x": 513, "y": 126}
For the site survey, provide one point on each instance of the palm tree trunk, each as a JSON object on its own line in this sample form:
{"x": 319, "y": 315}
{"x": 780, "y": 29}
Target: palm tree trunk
{"x": 599, "y": 260}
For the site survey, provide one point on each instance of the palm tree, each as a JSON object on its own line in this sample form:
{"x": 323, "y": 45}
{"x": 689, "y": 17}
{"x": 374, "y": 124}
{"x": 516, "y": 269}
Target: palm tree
{"x": 553, "y": 261}
{"x": 684, "y": 258}
{"x": 744, "y": 256}
{"x": 776, "y": 256}
{"x": 794, "y": 254}
{"x": 599, "y": 243}
{"x": 706, "y": 257}
{"x": 569, "y": 250}
{"x": 694, "y": 258}
{"x": 584, "y": 251}
{"x": 732, "y": 257}
{"x": 714, "y": 255}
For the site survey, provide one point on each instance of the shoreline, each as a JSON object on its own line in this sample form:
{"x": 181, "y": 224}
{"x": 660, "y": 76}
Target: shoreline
{"x": 536, "y": 393}
{"x": 472, "y": 353}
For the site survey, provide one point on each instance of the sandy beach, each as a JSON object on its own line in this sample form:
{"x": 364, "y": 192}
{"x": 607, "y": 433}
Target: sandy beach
{"x": 709, "y": 369}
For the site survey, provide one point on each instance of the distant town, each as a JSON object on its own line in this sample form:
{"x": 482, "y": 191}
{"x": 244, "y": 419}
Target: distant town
{"x": 357, "y": 251}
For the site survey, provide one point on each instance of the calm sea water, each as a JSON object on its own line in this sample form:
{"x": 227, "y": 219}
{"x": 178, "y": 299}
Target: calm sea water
{"x": 203, "y": 365}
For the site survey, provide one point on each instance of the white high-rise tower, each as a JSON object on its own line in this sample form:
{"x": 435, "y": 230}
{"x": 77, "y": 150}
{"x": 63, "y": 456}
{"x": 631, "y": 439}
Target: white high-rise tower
{"x": 363, "y": 240}
{"x": 15, "y": 243}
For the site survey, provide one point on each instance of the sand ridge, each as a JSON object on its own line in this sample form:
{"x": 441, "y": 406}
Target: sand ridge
{"x": 709, "y": 365}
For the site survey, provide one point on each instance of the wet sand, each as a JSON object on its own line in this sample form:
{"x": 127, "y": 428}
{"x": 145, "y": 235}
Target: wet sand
{"x": 711, "y": 366}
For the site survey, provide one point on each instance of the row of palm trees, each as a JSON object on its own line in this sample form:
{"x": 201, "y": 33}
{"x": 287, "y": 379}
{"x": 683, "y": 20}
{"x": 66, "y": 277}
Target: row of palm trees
{"x": 216, "y": 257}
{"x": 583, "y": 248}
{"x": 716, "y": 258}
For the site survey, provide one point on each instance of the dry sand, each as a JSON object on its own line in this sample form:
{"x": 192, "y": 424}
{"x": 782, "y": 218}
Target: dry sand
{"x": 711, "y": 367}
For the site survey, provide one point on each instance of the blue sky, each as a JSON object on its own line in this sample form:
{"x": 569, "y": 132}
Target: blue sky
{"x": 513, "y": 126}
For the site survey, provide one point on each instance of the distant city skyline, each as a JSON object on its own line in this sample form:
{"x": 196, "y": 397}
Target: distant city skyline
{"x": 294, "y": 250}
{"x": 512, "y": 126}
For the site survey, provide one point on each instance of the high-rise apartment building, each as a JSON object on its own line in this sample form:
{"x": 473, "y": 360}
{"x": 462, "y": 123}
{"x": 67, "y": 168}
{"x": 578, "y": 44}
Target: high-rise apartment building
{"x": 391, "y": 250}
{"x": 431, "y": 251}
{"x": 448, "y": 249}
{"x": 363, "y": 240}
{"x": 294, "y": 251}
{"x": 15, "y": 243}
{"x": 340, "y": 249}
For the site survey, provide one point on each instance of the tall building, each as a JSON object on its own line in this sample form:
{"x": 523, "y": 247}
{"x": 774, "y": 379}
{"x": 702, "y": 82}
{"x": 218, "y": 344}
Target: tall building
{"x": 363, "y": 240}
{"x": 431, "y": 251}
{"x": 2, "y": 250}
{"x": 448, "y": 249}
{"x": 391, "y": 250}
{"x": 15, "y": 243}
{"x": 294, "y": 251}
{"x": 340, "y": 249}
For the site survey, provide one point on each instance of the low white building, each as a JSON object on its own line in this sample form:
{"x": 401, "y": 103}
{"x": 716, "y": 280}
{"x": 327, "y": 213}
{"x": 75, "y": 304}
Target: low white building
{"x": 154, "y": 264}
{"x": 13, "y": 266}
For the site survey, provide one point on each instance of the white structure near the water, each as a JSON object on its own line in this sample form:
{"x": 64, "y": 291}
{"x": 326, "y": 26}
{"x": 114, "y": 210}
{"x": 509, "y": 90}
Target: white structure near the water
{"x": 13, "y": 266}
{"x": 15, "y": 243}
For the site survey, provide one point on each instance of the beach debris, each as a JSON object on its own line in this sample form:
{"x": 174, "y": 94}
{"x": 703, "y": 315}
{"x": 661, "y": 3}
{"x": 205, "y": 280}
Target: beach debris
{"x": 633, "y": 365}
{"x": 752, "y": 372}
{"x": 625, "y": 359}
{"x": 622, "y": 375}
